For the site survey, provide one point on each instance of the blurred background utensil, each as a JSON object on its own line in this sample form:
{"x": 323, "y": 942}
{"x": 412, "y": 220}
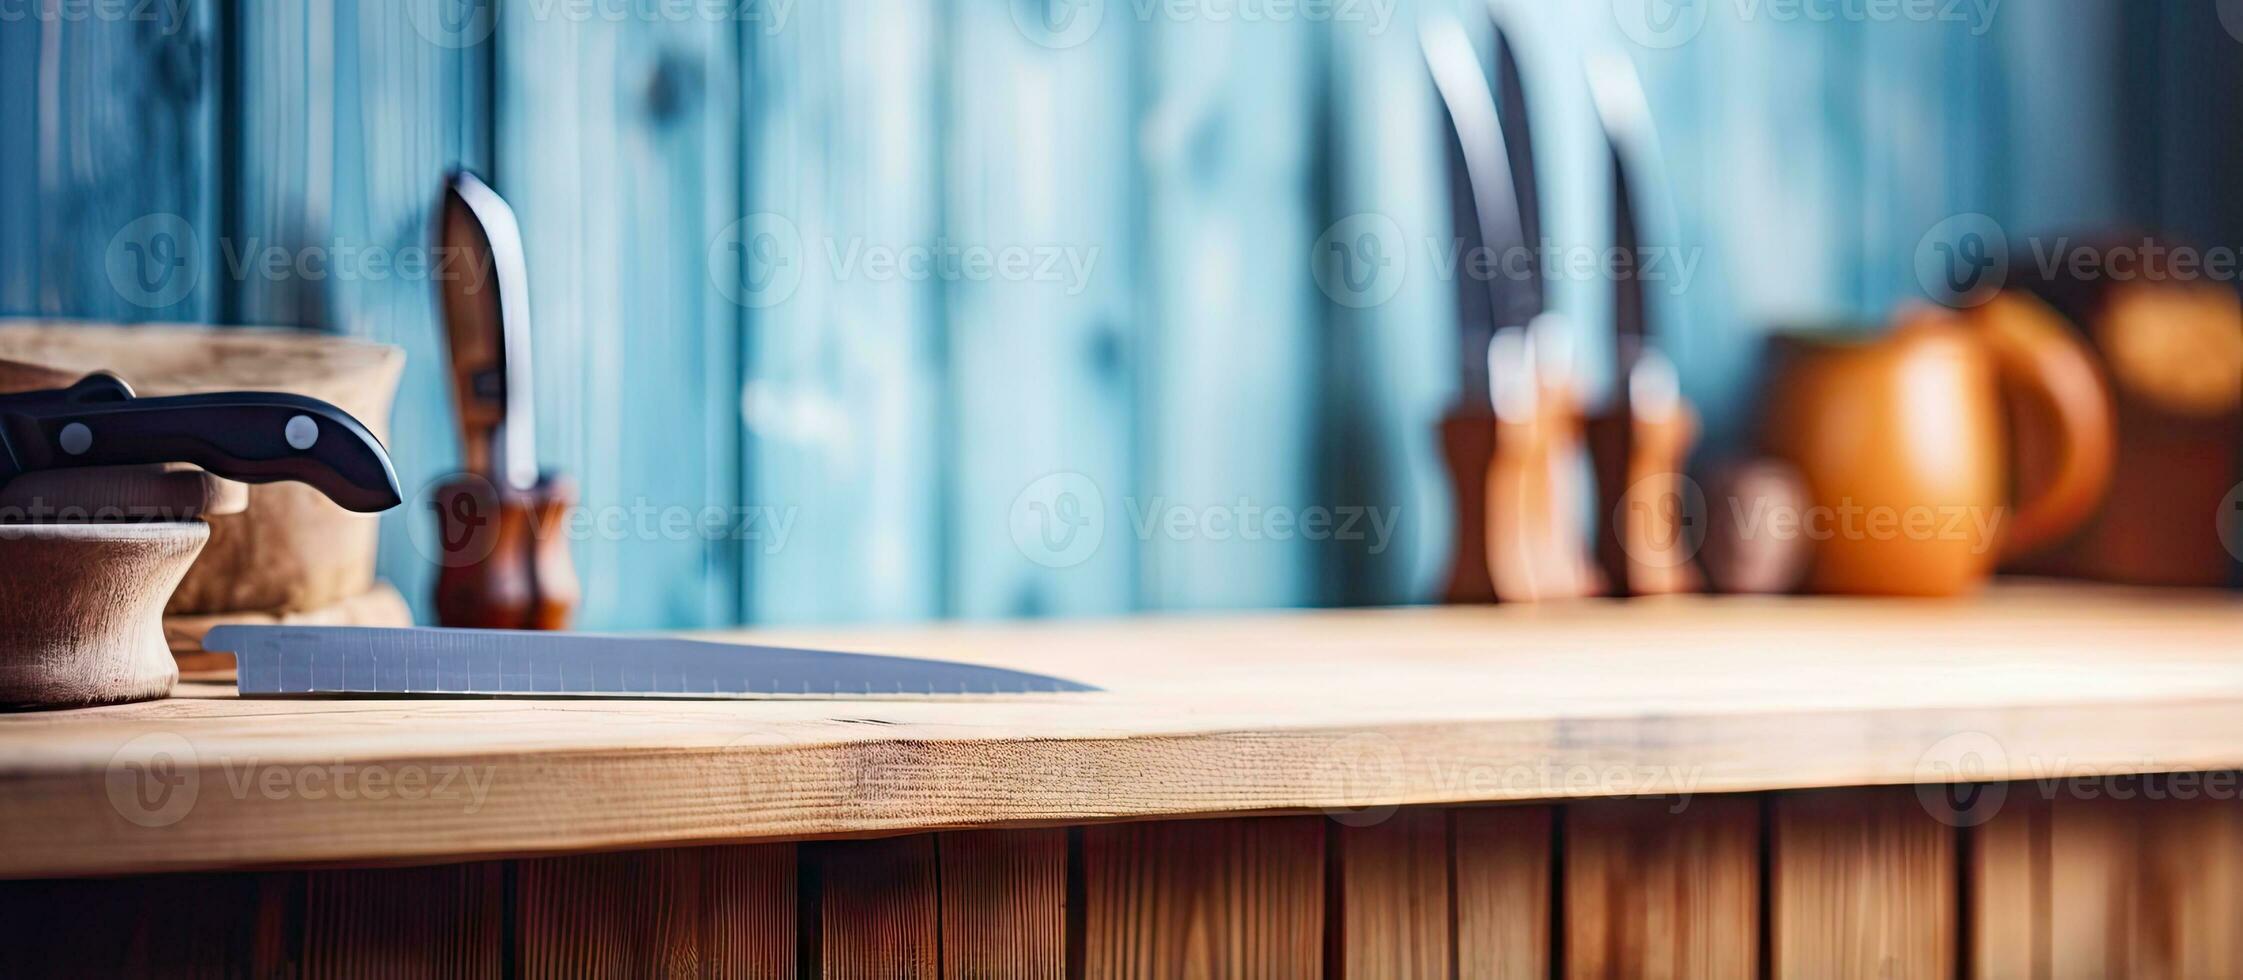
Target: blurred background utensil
{"x": 505, "y": 558}
{"x": 1516, "y": 538}
{"x": 1642, "y": 440}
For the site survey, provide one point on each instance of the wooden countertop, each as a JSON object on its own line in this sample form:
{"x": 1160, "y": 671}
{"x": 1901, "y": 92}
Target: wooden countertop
{"x": 1256, "y": 713}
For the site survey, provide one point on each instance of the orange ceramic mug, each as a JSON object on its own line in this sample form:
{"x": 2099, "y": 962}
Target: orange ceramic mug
{"x": 1906, "y": 450}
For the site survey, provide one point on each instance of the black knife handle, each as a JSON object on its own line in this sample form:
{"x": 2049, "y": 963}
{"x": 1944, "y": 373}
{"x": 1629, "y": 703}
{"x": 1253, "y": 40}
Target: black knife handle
{"x": 254, "y": 437}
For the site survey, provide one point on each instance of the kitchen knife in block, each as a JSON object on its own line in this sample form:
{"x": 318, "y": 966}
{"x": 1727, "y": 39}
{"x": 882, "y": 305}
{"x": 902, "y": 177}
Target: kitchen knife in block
{"x": 1641, "y": 442}
{"x": 1500, "y": 439}
{"x": 504, "y": 557}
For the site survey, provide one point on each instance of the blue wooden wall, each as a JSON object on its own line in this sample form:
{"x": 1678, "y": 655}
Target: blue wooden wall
{"x": 768, "y": 427}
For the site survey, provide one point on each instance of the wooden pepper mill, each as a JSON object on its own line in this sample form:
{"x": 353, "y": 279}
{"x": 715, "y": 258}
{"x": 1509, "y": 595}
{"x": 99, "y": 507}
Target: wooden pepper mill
{"x": 504, "y": 556}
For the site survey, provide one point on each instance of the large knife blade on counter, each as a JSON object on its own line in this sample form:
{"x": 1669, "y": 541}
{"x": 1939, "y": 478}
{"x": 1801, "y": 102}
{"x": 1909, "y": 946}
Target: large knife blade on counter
{"x": 314, "y": 661}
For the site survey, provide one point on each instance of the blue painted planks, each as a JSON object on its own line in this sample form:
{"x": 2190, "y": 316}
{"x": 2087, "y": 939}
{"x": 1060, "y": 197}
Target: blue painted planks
{"x": 1228, "y": 399}
{"x": 107, "y": 122}
{"x": 842, "y": 403}
{"x": 347, "y": 116}
{"x": 1038, "y": 160}
{"x": 1390, "y": 370}
{"x": 617, "y": 142}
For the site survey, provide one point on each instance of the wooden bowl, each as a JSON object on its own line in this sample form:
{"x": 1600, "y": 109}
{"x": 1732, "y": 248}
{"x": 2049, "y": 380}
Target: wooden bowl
{"x": 291, "y": 549}
{"x": 81, "y": 610}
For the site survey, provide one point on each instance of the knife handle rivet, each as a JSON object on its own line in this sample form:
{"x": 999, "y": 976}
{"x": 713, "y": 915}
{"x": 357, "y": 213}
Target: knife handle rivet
{"x": 75, "y": 439}
{"x": 301, "y": 432}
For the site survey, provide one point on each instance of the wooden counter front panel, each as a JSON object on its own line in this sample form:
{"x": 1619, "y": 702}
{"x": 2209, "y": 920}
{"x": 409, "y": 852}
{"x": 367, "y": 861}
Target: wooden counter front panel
{"x": 1812, "y": 884}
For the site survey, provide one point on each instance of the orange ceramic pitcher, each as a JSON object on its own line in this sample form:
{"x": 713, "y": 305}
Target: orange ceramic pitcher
{"x": 1906, "y": 450}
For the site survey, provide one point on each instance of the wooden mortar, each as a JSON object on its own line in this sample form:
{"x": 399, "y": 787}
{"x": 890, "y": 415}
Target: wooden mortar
{"x": 81, "y": 610}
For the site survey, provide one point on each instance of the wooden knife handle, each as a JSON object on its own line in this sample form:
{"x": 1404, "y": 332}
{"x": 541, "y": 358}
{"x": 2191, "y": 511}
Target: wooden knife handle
{"x": 1468, "y": 446}
{"x": 504, "y": 555}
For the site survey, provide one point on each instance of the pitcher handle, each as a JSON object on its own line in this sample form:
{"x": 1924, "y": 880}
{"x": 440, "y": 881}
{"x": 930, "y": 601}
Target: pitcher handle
{"x": 2042, "y": 359}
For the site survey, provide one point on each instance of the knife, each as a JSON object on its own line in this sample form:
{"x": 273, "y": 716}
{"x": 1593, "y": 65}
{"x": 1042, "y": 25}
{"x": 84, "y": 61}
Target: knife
{"x": 487, "y": 318}
{"x": 1492, "y": 200}
{"x": 1642, "y": 441}
{"x": 506, "y": 562}
{"x": 305, "y": 661}
{"x": 253, "y": 437}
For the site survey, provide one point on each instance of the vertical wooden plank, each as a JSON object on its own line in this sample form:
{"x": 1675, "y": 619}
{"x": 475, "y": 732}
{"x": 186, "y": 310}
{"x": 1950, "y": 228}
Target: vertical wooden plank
{"x": 107, "y": 178}
{"x": 1393, "y": 916}
{"x": 347, "y": 116}
{"x": 1861, "y": 884}
{"x": 617, "y": 142}
{"x": 1651, "y": 892}
{"x": 2008, "y": 888}
{"x": 1502, "y": 860}
{"x": 2145, "y": 887}
{"x": 1004, "y": 903}
{"x": 1390, "y": 369}
{"x": 1041, "y": 135}
{"x": 879, "y": 903}
{"x": 1219, "y": 898}
{"x": 173, "y": 926}
{"x": 717, "y": 911}
{"x": 1228, "y": 406}
{"x": 441, "y": 921}
{"x": 2137, "y": 876}
{"x": 842, "y": 400}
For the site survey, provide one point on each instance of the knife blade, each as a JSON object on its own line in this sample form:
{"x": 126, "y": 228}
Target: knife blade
{"x": 1494, "y": 213}
{"x": 253, "y": 437}
{"x": 1624, "y": 114}
{"x": 304, "y": 661}
{"x": 487, "y": 322}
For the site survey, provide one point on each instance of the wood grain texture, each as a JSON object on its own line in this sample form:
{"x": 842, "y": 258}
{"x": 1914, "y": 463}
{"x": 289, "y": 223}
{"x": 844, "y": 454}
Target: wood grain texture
{"x": 83, "y": 608}
{"x": 1652, "y": 892}
{"x": 440, "y": 921}
{"x": 215, "y": 926}
{"x": 1040, "y": 150}
{"x": 690, "y": 912}
{"x": 111, "y": 176}
{"x": 1391, "y": 915}
{"x": 1200, "y": 716}
{"x": 1502, "y": 857}
{"x": 1862, "y": 884}
{"x": 1004, "y": 904}
{"x": 2008, "y": 906}
{"x": 843, "y": 399}
{"x": 2138, "y": 876}
{"x": 879, "y": 908}
{"x": 616, "y": 141}
{"x": 1205, "y": 899}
